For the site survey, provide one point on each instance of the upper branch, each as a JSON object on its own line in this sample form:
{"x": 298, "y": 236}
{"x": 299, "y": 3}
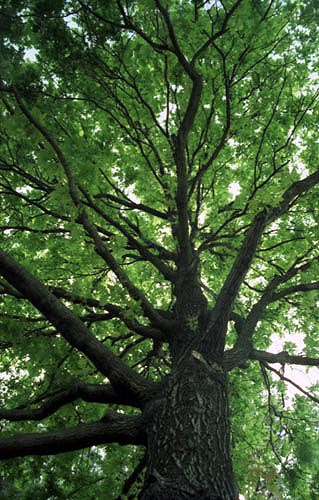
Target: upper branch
{"x": 182, "y": 194}
{"x": 243, "y": 347}
{"x": 134, "y": 292}
{"x": 248, "y": 248}
{"x": 83, "y": 218}
{"x": 126, "y": 202}
{"x": 240, "y": 267}
{"x": 114, "y": 428}
{"x": 219, "y": 33}
{"x": 226, "y": 126}
{"x": 292, "y": 194}
{"x": 129, "y": 24}
{"x": 188, "y": 67}
{"x": 271, "y": 295}
{"x": 110, "y": 311}
{"x": 180, "y": 140}
{"x": 302, "y": 287}
{"x": 157, "y": 262}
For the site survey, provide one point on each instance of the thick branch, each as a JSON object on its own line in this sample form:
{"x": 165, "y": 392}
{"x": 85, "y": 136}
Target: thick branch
{"x": 141, "y": 207}
{"x": 113, "y": 311}
{"x": 180, "y": 140}
{"x": 240, "y": 267}
{"x": 270, "y": 295}
{"x": 134, "y": 476}
{"x": 159, "y": 47}
{"x": 123, "y": 379}
{"x": 115, "y": 428}
{"x": 182, "y": 194}
{"x": 243, "y": 351}
{"x": 48, "y": 137}
{"x": 248, "y": 249}
{"x": 134, "y": 292}
{"x": 292, "y": 193}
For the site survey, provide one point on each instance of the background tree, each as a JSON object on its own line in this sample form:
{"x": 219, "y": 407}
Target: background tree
{"x": 159, "y": 193}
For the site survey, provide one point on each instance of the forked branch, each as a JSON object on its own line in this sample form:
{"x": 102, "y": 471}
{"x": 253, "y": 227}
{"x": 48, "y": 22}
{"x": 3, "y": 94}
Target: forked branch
{"x": 250, "y": 243}
{"x": 83, "y": 218}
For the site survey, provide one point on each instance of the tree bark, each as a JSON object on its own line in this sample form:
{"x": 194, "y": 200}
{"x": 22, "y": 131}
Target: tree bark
{"x": 188, "y": 445}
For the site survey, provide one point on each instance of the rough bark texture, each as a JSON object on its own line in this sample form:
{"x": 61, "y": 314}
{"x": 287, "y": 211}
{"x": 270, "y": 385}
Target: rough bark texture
{"x": 188, "y": 451}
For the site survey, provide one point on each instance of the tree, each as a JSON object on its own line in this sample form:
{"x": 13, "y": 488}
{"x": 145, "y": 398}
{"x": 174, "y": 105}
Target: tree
{"x": 159, "y": 191}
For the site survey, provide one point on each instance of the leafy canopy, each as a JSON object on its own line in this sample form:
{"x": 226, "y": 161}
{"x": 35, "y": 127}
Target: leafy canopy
{"x": 128, "y": 131}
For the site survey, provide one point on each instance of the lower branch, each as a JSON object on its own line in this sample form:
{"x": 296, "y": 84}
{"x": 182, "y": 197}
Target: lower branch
{"x": 115, "y": 428}
{"x": 123, "y": 379}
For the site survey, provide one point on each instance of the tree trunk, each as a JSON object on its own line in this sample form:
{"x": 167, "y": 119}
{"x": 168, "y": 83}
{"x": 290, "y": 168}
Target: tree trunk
{"x": 188, "y": 451}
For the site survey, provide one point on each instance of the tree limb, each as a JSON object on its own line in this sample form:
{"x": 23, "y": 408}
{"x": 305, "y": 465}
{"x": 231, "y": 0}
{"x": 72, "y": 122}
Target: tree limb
{"x": 115, "y": 428}
{"x": 133, "y": 476}
{"x": 141, "y": 207}
{"x": 229, "y": 291}
{"x": 157, "y": 262}
{"x": 123, "y": 379}
{"x": 159, "y": 47}
{"x": 180, "y": 140}
{"x": 248, "y": 249}
{"x": 83, "y": 218}
{"x": 270, "y": 295}
{"x": 188, "y": 67}
{"x": 219, "y": 33}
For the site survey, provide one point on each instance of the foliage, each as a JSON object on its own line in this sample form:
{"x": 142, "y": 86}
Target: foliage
{"x": 132, "y": 135}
